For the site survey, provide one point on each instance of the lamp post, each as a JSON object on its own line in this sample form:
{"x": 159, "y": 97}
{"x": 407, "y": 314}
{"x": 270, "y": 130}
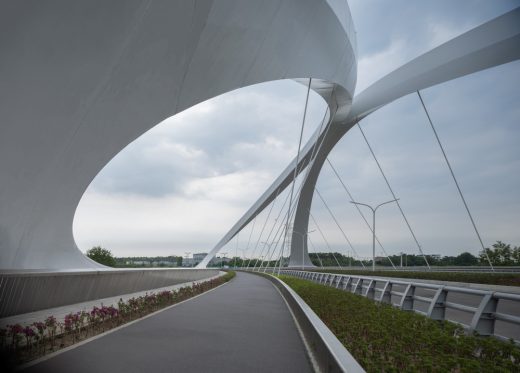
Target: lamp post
{"x": 243, "y": 256}
{"x": 303, "y": 246}
{"x": 222, "y": 259}
{"x": 187, "y": 255}
{"x": 263, "y": 256}
{"x": 374, "y": 226}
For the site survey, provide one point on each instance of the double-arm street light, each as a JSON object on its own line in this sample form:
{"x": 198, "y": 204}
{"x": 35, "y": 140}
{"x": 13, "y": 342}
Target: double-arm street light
{"x": 243, "y": 256}
{"x": 303, "y": 236}
{"x": 222, "y": 259}
{"x": 374, "y": 227}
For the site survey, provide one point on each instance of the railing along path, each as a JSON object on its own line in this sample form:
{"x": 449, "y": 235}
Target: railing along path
{"x": 431, "y": 300}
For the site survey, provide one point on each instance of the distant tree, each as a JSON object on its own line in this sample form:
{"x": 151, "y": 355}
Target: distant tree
{"x": 516, "y": 254}
{"x": 465, "y": 259}
{"x": 102, "y": 256}
{"x": 501, "y": 254}
{"x": 504, "y": 252}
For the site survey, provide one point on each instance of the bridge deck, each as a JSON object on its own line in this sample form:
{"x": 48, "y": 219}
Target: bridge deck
{"x": 242, "y": 326}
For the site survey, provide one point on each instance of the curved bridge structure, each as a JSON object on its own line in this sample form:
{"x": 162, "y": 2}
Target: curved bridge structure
{"x": 491, "y": 44}
{"x": 83, "y": 79}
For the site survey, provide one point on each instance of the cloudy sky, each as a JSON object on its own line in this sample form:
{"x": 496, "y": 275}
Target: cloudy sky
{"x": 182, "y": 185}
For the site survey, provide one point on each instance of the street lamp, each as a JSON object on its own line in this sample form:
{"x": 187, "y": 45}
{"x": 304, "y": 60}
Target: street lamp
{"x": 243, "y": 256}
{"x": 187, "y": 255}
{"x": 303, "y": 246}
{"x": 222, "y": 259}
{"x": 374, "y": 227}
{"x": 263, "y": 256}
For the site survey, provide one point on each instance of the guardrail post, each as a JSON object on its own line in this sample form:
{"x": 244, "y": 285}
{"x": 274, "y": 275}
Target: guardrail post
{"x": 340, "y": 281}
{"x": 332, "y": 280}
{"x": 370, "y": 289}
{"x": 386, "y": 293}
{"x": 437, "y": 309}
{"x": 346, "y": 284}
{"x": 483, "y": 321}
{"x": 407, "y": 300}
{"x": 358, "y": 286}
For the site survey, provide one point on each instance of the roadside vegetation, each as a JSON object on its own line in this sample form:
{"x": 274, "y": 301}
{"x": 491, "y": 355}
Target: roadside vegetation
{"x": 508, "y": 279}
{"x": 102, "y": 256}
{"x": 22, "y": 343}
{"x": 384, "y": 339}
{"x": 500, "y": 254}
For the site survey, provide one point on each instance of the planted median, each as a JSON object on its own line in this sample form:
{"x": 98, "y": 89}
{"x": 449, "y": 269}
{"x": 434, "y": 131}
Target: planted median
{"x": 23, "y": 343}
{"x": 385, "y": 339}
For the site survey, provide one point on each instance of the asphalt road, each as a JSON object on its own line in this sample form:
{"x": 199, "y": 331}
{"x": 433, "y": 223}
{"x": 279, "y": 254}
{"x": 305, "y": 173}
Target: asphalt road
{"x": 243, "y": 326}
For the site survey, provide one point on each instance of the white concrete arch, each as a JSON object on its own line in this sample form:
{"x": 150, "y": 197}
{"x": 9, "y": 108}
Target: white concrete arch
{"x": 494, "y": 43}
{"x": 81, "y": 80}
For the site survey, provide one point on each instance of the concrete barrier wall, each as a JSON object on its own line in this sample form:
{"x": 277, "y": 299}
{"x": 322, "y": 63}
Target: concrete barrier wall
{"x": 25, "y": 291}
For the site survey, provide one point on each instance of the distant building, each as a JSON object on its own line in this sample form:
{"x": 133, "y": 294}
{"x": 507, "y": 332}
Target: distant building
{"x": 164, "y": 263}
{"x": 140, "y": 262}
{"x": 198, "y": 257}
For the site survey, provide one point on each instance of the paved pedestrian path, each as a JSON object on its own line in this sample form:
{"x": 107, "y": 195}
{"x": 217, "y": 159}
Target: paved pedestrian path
{"x": 242, "y": 326}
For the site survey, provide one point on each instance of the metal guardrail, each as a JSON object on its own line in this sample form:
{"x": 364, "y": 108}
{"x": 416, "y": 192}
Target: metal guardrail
{"x": 470, "y": 269}
{"x": 484, "y": 315}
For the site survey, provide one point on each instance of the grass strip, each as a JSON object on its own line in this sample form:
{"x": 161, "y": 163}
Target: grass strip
{"x": 508, "y": 279}
{"x": 385, "y": 339}
{"x": 20, "y": 344}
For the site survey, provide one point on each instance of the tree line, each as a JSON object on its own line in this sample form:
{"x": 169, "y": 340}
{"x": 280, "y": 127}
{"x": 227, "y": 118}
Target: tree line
{"x": 500, "y": 254}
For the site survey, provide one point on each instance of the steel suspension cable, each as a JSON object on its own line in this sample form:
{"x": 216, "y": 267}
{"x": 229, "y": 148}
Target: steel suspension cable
{"x": 325, "y": 239}
{"x": 315, "y": 149}
{"x": 249, "y": 240}
{"x": 297, "y": 158}
{"x": 269, "y": 253}
{"x": 339, "y": 226}
{"x": 263, "y": 227}
{"x": 455, "y": 180}
{"x": 359, "y": 210}
{"x": 315, "y": 252}
{"x": 279, "y": 231}
{"x": 236, "y": 250}
{"x": 394, "y": 196}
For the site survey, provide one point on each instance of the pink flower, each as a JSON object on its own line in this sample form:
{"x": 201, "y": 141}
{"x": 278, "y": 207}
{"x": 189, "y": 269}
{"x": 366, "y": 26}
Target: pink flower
{"x": 50, "y": 322}
{"x": 15, "y": 329}
{"x": 40, "y": 327}
{"x": 28, "y": 331}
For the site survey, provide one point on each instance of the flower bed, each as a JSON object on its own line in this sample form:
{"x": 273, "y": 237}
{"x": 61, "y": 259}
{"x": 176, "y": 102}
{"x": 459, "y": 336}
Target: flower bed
{"x": 508, "y": 279}
{"x": 22, "y": 343}
{"x": 384, "y": 339}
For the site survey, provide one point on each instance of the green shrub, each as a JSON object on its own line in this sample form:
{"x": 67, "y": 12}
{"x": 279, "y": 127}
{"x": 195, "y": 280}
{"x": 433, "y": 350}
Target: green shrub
{"x": 385, "y": 339}
{"x": 510, "y": 279}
